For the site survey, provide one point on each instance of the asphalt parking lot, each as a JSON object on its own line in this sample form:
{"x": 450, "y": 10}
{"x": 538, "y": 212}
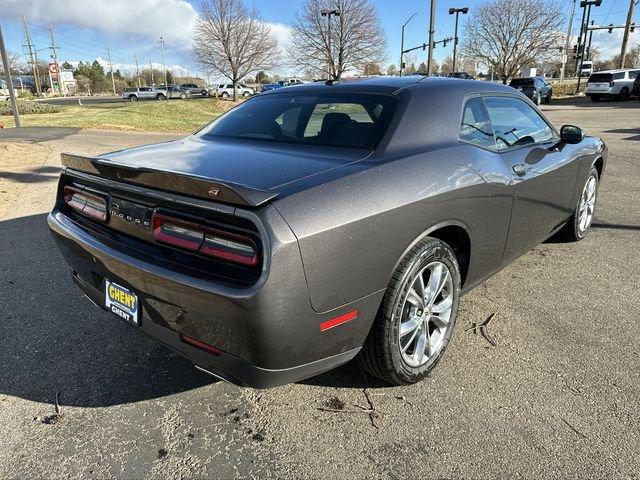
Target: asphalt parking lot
{"x": 554, "y": 395}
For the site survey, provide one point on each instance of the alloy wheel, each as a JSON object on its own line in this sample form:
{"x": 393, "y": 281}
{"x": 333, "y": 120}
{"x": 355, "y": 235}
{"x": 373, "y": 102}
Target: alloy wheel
{"x": 426, "y": 315}
{"x": 587, "y": 203}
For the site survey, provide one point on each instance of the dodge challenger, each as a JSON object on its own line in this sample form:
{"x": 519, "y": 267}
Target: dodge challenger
{"x": 324, "y": 222}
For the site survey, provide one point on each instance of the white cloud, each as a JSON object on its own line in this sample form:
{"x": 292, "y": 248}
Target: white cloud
{"x": 173, "y": 19}
{"x": 282, "y": 33}
{"x": 609, "y": 44}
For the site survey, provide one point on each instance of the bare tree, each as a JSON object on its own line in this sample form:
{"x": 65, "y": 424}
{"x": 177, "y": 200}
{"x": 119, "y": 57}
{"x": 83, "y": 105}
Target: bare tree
{"x": 508, "y": 35}
{"x": 233, "y": 41}
{"x": 356, "y": 39}
{"x": 15, "y": 63}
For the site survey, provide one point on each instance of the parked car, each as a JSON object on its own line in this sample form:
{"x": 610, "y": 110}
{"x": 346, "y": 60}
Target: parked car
{"x": 635, "y": 92}
{"x": 586, "y": 68}
{"x": 192, "y": 88}
{"x": 274, "y": 86}
{"x": 314, "y": 224}
{"x": 535, "y": 88}
{"x": 174, "y": 91}
{"x": 463, "y": 75}
{"x": 144, "y": 93}
{"x": 225, "y": 90}
{"x": 611, "y": 84}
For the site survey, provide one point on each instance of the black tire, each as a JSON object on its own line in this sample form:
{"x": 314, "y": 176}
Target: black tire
{"x": 183, "y": 96}
{"x": 161, "y": 97}
{"x": 246, "y": 94}
{"x": 595, "y": 98}
{"x": 572, "y": 232}
{"x": 204, "y": 93}
{"x": 547, "y": 99}
{"x": 536, "y": 99}
{"x": 224, "y": 94}
{"x": 380, "y": 355}
{"x": 133, "y": 98}
{"x": 624, "y": 94}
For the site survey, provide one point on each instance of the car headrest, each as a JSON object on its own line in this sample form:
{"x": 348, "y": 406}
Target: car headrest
{"x": 332, "y": 123}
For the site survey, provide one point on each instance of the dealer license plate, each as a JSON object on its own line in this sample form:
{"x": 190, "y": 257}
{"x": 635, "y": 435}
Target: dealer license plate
{"x": 122, "y": 302}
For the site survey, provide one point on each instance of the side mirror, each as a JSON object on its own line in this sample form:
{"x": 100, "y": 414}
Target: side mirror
{"x": 571, "y": 134}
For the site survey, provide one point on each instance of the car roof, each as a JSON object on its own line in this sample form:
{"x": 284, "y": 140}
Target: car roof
{"x": 615, "y": 70}
{"x": 393, "y": 84}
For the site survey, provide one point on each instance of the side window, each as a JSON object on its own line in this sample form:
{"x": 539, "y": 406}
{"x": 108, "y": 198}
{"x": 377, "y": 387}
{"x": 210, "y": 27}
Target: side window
{"x": 633, "y": 74}
{"x": 475, "y": 127}
{"x": 515, "y": 123}
{"x": 618, "y": 76}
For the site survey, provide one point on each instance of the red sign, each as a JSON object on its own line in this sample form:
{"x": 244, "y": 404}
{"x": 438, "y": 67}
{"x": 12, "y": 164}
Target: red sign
{"x": 53, "y": 68}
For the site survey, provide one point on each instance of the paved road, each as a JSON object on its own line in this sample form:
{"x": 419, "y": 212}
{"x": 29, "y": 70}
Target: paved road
{"x": 556, "y": 397}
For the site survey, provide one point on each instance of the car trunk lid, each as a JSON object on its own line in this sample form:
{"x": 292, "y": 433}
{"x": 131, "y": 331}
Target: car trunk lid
{"x": 228, "y": 171}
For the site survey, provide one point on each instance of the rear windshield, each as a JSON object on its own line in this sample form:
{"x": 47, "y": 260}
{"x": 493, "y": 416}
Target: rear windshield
{"x": 600, "y": 78}
{"x": 331, "y": 119}
{"x": 519, "y": 82}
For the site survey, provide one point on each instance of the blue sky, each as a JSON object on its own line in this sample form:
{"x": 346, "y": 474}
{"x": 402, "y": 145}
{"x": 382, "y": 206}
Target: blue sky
{"x": 84, "y": 28}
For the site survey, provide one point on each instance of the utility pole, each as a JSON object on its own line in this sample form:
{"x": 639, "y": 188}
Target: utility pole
{"x": 151, "y": 70}
{"x": 33, "y": 58}
{"x": 565, "y": 53}
{"x": 456, "y": 11}
{"x": 589, "y": 44}
{"x": 402, "y": 43}
{"x": 625, "y": 38}
{"x": 584, "y": 27}
{"x": 328, "y": 13}
{"x": 163, "y": 64}
{"x": 113, "y": 82}
{"x": 432, "y": 31}
{"x": 137, "y": 70}
{"x": 54, "y": 56}
{"x": 7, "y": 76}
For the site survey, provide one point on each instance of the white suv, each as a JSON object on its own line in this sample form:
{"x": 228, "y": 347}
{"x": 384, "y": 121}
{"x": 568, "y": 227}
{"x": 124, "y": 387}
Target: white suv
{"x": 611, "y": 83}
{"x": 225, "y": 90}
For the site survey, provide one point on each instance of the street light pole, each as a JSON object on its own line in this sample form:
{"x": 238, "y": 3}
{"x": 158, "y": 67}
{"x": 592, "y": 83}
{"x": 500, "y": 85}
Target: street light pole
{"x": 584, "y": 27}
{"x": 163, "y": 64}
{"x": 456, "y": 11}
{"x": 327, "y": 13}
{"x": 7, "y": 76}
{"x": 402, "y": 43}
{"x": 432, "y": 31}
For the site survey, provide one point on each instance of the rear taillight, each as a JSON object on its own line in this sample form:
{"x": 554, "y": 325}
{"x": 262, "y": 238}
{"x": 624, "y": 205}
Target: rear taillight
{"x": 177, "y": 232}
{"x": 89, "y": 204}
{"x": 196, "y": 237}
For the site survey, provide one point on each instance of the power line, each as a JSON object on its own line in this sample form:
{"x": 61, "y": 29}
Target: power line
{"x": 54, "y": 56}
{"x": 33, "y": 55}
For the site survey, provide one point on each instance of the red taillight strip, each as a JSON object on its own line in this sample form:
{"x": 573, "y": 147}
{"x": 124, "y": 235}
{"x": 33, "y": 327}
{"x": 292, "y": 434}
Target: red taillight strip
{"x": 334, "y": 322}
{"x": 229, "y": 254}
{"x": 85, "y": 202}
{"x": 201, "y": 345}
{"x": 189, "y": 242}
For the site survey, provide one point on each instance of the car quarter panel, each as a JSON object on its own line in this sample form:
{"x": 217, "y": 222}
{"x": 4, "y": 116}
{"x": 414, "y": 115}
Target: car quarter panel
{"x": 352, "y": 231}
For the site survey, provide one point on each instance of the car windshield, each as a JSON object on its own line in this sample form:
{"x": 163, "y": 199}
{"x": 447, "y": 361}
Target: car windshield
{"x": 519, "y": 82}
{"x": 331, "y": 119}
{"x": 600, "y": 78}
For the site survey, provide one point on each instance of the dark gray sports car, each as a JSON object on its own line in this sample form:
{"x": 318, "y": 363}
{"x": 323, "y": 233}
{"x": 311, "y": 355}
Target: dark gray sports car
{"x": 314, "y": 224}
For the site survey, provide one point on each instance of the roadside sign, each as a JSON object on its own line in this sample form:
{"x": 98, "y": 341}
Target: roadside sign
{"x": 53, "y": 68}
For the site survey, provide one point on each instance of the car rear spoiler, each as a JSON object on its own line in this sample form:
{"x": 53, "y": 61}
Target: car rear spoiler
{"x": 176, "y": 182}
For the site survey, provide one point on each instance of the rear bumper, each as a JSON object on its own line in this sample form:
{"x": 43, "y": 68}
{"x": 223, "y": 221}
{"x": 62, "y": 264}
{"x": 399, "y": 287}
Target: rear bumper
{"x": 267, "y": 335}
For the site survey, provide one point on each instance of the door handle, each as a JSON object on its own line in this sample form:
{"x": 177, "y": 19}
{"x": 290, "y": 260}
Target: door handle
{"x": 520, "y": 169}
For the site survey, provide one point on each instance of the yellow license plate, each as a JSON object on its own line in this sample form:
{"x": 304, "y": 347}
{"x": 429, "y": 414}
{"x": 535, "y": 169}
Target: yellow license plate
{"x": 122, "y": 302}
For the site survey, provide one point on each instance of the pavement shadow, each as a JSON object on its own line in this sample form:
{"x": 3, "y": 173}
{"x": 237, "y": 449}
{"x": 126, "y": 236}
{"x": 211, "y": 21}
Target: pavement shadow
{"x": 349, "y": 375}
{"x": 586, "y": 102}
{"x": 35, "y": 175}
{"x": 52, "y": 339}
{"x": 634, "y": 133}
{"x": 37, "y": 134}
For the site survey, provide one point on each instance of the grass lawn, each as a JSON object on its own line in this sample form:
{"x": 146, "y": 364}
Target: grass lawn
{"x": 144, "y": 116}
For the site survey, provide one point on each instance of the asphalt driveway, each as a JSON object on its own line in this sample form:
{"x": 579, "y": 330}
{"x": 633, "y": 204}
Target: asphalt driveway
{"x": 551, "y": 390}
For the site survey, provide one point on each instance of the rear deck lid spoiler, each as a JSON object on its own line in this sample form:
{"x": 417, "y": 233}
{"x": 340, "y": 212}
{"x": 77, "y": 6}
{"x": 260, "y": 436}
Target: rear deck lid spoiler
{"x": 176, "y": 182}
